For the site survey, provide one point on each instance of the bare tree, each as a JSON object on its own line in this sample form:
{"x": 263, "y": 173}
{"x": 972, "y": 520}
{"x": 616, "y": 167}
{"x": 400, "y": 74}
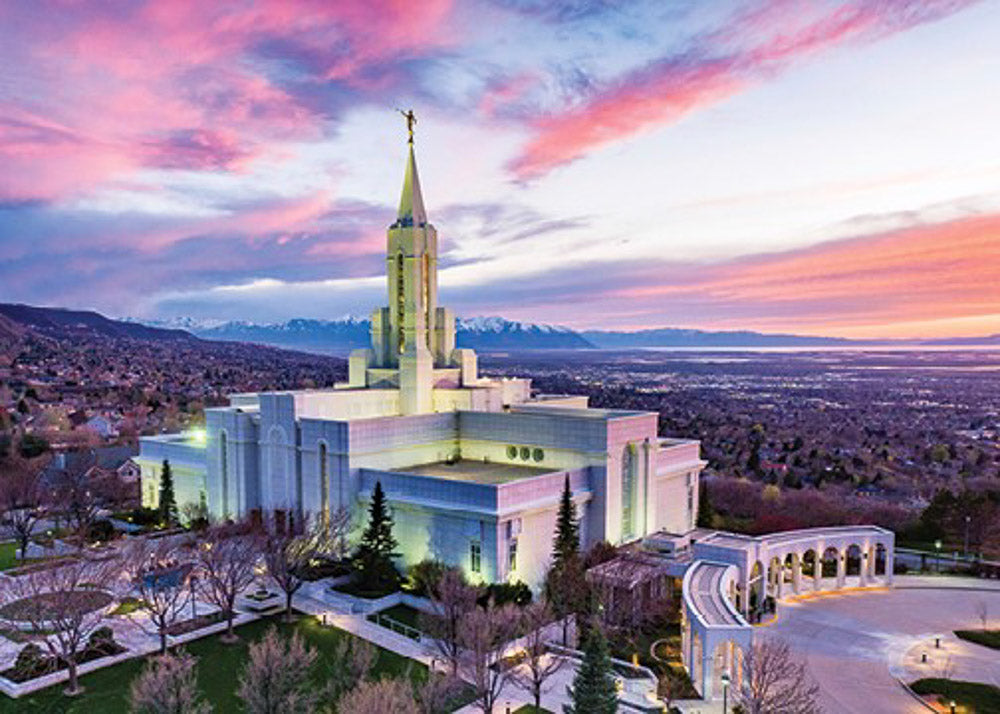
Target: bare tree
{"x": 75, "y": 493}
{"x": 59, "y": 608}
{"x": 226, "y": 558}
{"x": 336, "y": 529}
{"x": 352, "y": 660}
{"x": 21, "y": 498}
{"x": 436, "y": 693}
{"x": 983, "y": 613}
{"x": 484, "y": 636}
{"x": 774, "y": 682}
{"x": 168, "y": 685}
{"x": 452, "y": 599}
{"x": 378, "y": 697}
{"x": 538, "y": 665}
{"x": 275, "y": 679}
{"x": 288, "y": 554}
{"x": 157, "y": 576}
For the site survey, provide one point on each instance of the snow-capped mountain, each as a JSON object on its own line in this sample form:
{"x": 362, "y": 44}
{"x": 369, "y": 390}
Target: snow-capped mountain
{"x": 339, "y": 336}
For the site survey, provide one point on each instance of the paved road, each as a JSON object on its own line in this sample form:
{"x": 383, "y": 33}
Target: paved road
{"x": 855, "y": 644}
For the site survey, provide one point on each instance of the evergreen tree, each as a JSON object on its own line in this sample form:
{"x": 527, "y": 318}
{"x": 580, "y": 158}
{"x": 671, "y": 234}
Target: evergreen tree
{"x": 373, "y": 557}
{"x": 168, "y": 503}
{"x": 566, "y": 546}
{"x": 593, "y": 690}
{"x": 706, "y": 514}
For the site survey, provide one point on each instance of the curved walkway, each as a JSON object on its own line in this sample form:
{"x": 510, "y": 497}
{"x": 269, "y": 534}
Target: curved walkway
{"x": 860, "y": 644}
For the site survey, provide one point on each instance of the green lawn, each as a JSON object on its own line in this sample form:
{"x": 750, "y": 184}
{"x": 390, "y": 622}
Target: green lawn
{"x": 218, "y": 668}
{"x": 986, "y": 638}
{"x": 530, "y": 709}
{"x": 970, "y": 696}
{"x": 7, "y": 552}
{"x": 404, "y": 614}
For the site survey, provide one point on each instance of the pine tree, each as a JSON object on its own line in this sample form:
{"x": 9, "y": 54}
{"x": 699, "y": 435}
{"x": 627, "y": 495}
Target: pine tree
{"x": 566, "y": 546}
{"x": 706, "y": 513}
{"x": 168, "y": 503}
{"x": 373, "y": 558}
{"x": 593, "y": 690}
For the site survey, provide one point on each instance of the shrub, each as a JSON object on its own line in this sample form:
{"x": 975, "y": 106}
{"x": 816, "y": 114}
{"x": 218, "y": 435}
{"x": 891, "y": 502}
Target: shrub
{"x": 32, "y": 446}
{"x": 504, "y": 593}
{"x": 101, "y": 530}
{"x": 31, "y": 662}
{"x": 102, "y": 640}
{"x": 423, "y": 577}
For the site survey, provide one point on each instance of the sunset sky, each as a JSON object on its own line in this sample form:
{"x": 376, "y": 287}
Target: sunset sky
{"x": 821, "y": 168}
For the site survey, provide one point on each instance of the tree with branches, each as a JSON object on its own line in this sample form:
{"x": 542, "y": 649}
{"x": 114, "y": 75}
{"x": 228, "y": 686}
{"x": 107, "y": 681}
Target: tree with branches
{"x": 76, "y": 494}
{"x": 59, "y": 608}
{"x": 373, "y": 557}
{"x": 226, "y": 559}
{"x": 774, "y": 681}
{"x": 566, "y": 587}
{"x": 168, "y": 684}
{"x": 351, "y": 662}
{"x": 168, "y": 501}
{"x": 22, "y": 498}
{"x": 538, "y": 665}
{"x": 452, "y": 599}
{"x": 484, "y": 636}
{"x": 157, "y": 576}
{"x": 377, "y": 697}
{"x": 276, "y": 677}
{"x": 288, "y": 554}
{"x": 593, "y": 690}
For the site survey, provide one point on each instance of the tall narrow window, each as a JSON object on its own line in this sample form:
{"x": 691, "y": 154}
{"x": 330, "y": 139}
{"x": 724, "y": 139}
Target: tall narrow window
{"x": 324, "y": 487}
{"x": 628, "y": 490}
{"x": 475, "y": 556}
{"x": 425, "y": 281}
{"x": 224, "y": 471}
{"x": 400, "y": 302}
{"x": 512, "y": 556}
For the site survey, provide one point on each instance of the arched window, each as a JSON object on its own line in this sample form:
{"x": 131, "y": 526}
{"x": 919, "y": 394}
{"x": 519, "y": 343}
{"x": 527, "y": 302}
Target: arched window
{"x": 324, "y": 486}
{"x": 224, "y": 471}
{"x": 629, "y": 464}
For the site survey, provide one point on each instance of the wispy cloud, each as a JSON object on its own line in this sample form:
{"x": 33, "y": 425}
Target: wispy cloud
{"x": 755, "y": 45}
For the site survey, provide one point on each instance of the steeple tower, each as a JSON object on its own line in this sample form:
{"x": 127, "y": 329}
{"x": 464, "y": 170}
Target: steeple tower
{"x": 412, "y": 336}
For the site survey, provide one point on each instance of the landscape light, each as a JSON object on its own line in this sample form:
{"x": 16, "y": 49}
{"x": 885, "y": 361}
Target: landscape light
{"x": 199, "y": 436}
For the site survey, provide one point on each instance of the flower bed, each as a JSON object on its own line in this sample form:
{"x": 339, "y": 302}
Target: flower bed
{"x": 33, "y": 662}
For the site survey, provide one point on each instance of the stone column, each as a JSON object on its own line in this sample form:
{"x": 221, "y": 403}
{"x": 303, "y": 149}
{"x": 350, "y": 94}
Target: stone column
{"x": 889, "y": 558}
{"x": 797, "y": 573}
{"x": 841, "y": 567}
{"x": 863, "y": 568}
{"x": 818, "y": 567}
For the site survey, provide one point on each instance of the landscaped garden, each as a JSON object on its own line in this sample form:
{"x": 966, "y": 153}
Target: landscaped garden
{"x": 968, "y": 696}
{"x": 53, "y": 605}
{"x": 218, "y": 667}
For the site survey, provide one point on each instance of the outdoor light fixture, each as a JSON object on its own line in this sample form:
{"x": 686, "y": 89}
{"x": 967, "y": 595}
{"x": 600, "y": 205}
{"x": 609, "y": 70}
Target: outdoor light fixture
{"x": 937, "y": 642}
{"x": 725, "y": 692}
{"x": 952, "y": 703}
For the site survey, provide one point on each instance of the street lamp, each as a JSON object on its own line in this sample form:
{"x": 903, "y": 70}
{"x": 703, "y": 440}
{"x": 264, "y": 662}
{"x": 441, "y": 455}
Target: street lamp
{"x": 968, "y": 519}
{"x": 937, "y": 557}
{"x": 952, "y": 704}
{"x": 725, "y": 692}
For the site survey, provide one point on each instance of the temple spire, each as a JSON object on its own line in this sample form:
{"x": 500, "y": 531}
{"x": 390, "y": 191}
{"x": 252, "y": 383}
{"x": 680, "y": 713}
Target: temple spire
{"x": 411, "y": 203}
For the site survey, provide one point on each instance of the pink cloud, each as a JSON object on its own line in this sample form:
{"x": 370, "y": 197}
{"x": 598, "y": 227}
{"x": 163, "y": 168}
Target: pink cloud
{"x": 128, "y": 84}
{"x": 768, "y": 39}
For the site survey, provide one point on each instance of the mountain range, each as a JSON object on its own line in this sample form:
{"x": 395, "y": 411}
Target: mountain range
{"x": 481, "y": 333}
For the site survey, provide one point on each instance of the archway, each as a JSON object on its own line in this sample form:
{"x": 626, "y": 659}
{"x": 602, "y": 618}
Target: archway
{"x": 697, "y": 663}
{"x": 830, "y": 564}
{"x": 810, "y": 571}
{"x": 854, "y": 560}
{"x": 757, "y": 586}
{"x": 880, "y": 560}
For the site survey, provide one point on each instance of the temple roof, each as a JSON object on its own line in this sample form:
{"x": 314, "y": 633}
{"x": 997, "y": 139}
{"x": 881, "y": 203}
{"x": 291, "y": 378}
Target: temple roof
{"x": 411, "y": 203}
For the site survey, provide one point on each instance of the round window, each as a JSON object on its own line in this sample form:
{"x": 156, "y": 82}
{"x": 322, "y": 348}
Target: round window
{"x": 538, "y": 454}
{"x": 511, "y": 452}
{"x": 525, "y": 453}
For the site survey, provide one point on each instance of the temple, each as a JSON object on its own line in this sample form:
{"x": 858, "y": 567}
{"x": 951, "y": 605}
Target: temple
{"x": 473, "y": 467}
